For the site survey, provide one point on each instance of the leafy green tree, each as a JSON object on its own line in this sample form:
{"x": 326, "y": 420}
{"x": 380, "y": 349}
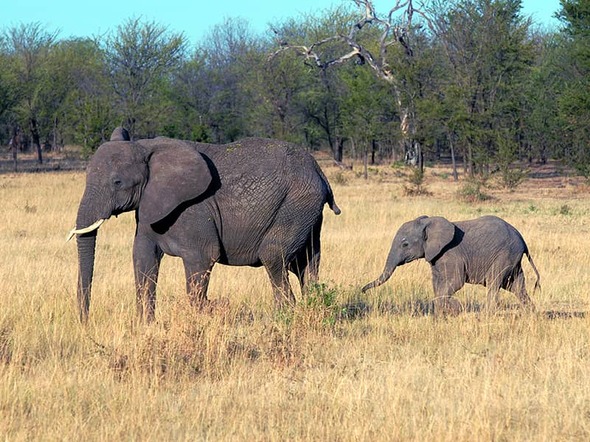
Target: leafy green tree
{"x": 365, "y": 116}
{"x": 574, "y": 103}
{"x": 542, "y": 126}
{"x": 190, "y": 93}
{"x": 8, "y": 88}
{"x": 229, "y": 48}
{"x": 139, "y": 59}
{"x": 285, "y": 81}
{"x": 384, "y": 43}
{"x": 86, "y": 114}
{"x": 488, "y": 53}
{"x": 28, "y": 48}
{"x": 285, "y": 84}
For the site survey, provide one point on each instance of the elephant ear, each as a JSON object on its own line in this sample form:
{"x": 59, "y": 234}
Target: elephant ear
{"x": 120, "y": 134}
{"x": 177, "y": 173}
{"x": 439, "y": 232}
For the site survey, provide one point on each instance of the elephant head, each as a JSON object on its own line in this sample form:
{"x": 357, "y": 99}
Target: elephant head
{"x": 424, "y": 237}
{"x": 151, "y": 177}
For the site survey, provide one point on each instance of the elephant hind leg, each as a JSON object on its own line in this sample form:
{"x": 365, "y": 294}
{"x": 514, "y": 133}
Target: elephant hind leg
{"x": 517, "y": 286}
{"x": 492, "y": 298}
{"x": 306, "y": 266}
{"x": 279, "y": 279}
{"x": 292, "y": 244}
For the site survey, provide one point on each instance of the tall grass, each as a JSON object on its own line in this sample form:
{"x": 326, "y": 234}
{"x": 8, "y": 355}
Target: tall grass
{"x": 339, "y": 366}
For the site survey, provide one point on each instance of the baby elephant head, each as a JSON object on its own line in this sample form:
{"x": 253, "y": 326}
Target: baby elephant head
{"x": 424, "y": 237}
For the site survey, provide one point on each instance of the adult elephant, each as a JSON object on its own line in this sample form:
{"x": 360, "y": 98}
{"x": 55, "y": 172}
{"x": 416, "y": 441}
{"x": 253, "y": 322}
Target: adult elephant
{"x": 250, "y": 203}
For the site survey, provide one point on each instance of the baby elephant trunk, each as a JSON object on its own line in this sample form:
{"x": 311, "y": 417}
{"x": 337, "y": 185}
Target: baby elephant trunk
{"x": 390, "y": 266}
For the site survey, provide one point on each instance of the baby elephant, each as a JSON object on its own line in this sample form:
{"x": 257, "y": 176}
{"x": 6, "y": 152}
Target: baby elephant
{"x": 485, "y": 251}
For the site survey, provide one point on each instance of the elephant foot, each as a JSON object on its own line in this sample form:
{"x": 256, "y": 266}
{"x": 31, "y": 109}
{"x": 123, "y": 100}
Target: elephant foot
{"x": 530, "y": 308}
{"x": 284, "y": 299}
{"x": 212, "y": 306}
{"x": 527, "y": 305}
{"x": 447, "y": 306}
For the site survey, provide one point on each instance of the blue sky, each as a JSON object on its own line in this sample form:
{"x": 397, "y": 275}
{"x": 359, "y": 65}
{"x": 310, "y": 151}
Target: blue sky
{"x": 81, "y": 18}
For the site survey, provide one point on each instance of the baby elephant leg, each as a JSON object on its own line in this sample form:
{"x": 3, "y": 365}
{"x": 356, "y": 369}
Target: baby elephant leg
{"x": 444, "y": 288}
{"x": 518, "y": 287}
{"x": 492, "y": 297}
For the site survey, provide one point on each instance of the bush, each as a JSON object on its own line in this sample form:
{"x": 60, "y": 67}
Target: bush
{"x": 472, "y": 192}
{"x": 340, "y": 178}
{"x": 416, "y": 183}
{"x": 512, "y": 178}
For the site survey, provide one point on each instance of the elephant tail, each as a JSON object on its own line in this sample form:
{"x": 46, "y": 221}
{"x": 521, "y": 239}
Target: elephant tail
{"x": 330, "y": 196}
{"x": 538, "y": 281}
{"x": 332, "y": 204}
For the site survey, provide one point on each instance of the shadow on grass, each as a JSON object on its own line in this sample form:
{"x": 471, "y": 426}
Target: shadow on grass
{"x": 415, "y": 307}
{"x": 554, "y": 314}
{"x": 354, "y": 310}
{"x": 422, "y": 307}
{"x": 359, "y": 309}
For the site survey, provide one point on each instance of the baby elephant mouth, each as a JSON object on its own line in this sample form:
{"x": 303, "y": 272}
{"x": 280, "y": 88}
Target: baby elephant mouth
{"x": 88, "y": 229}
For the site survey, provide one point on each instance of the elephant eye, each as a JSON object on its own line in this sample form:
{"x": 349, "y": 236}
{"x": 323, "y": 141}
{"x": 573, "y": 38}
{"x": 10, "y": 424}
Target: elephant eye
{"x": 117, "y": 183}
{"x": 405, "y": 244}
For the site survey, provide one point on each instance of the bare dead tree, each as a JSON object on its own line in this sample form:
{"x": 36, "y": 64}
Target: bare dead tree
{"x": 395, "y": 28}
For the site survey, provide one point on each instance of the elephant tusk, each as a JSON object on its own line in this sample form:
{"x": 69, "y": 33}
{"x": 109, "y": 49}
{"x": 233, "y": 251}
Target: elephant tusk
{"x": 90, "y": 228}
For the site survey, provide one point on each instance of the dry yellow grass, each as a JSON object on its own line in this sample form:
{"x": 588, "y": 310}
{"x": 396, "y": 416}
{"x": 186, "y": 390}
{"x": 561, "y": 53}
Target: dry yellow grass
{"x": 350, "y": 368}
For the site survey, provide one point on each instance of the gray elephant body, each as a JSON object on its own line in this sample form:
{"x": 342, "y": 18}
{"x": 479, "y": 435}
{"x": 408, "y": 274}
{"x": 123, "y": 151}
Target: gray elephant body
{"x": 251, "y": 203}
{"x": 486, "y": 251}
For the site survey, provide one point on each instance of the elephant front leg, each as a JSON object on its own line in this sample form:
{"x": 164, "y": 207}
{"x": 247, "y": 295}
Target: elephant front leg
{"x": 445, "y": 285}
{"x": 197, "y": 281}
{"x": 146, "y": 263}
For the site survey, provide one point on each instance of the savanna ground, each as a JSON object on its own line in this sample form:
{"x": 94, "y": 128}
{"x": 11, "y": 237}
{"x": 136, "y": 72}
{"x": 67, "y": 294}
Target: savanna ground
{"x": 340, "y": 366}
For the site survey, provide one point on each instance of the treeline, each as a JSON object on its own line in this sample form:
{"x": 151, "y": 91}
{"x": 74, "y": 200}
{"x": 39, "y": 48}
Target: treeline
{"x": 472, "y": 81}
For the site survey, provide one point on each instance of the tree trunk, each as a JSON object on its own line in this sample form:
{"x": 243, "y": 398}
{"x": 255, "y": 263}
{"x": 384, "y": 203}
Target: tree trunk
{"x": 14, "y": 147}
{"x": 366, "y": 161}
{"x": 419, "y": 155}
{"x": 55, "y": 147}
{"x": 453, "y": 160}
{"x": 338, "y": 149}
{"x": 36, "y": 139}
{"x": 470, "y": 166}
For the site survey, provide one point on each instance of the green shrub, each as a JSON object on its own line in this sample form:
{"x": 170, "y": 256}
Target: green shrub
{"x": 416, "y": 183}
{"x": 512, "y": 178}
{"x": 472, "y": 191}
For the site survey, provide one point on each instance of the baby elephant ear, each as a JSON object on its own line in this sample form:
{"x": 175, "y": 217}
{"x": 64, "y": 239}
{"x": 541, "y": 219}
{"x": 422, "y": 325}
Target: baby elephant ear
{"x": 439, "y": 232}
{"x": 177, "y": 173}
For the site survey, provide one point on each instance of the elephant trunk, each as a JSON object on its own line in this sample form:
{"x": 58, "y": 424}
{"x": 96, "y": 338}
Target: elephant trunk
{"x": 86, "y": 249}
{"x": 390, "y": 265}
{"x": 87, "y": 224}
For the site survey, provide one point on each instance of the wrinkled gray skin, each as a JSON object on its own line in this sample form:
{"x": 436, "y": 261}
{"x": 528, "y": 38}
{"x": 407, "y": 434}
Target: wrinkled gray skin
{"x": 486, "y": 251}
{"x": 251, "y": 203}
